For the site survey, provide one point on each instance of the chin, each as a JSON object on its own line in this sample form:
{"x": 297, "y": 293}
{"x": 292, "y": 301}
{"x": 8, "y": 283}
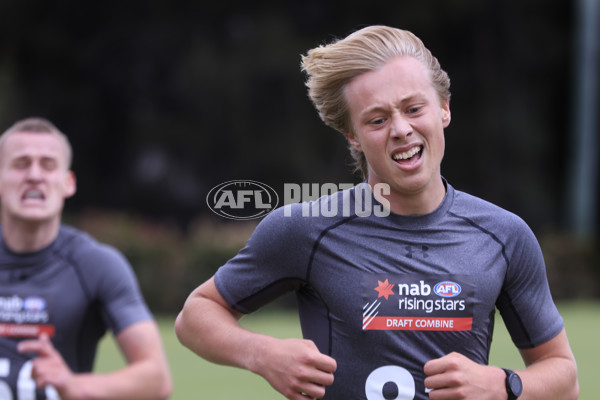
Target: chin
{"x": 35, "y": 217}
{"x": 413, "y": 184}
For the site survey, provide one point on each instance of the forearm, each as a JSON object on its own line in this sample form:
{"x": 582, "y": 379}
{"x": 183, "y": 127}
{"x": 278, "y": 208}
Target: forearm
{"x": 209, "y": 327}
{"x": 551, "y": 371}
{"x": 146, "y": 375}
{"x": 213, "y": 332}
{"x": 553, "y": 378}
{"x": 142, "y": 380}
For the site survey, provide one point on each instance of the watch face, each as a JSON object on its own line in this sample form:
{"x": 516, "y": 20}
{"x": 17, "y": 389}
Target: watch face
{"x": 515, "y": 384}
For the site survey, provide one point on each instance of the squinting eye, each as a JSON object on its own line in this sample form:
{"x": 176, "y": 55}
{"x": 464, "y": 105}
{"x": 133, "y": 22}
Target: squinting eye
{"x": 378, "y": 121}
{"x": 49, "y": 165}
{"x": 413, "y": 110}
{"x": 20, "y": 164}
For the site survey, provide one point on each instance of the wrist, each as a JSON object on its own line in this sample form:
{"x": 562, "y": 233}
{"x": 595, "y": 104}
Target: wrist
{"x": 260, "y": 345}
{"x": 513, "y": 384}
{"x": 81, "y": 386}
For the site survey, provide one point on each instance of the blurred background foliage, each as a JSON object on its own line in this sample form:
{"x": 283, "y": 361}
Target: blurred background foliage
{"x": 164, "y": 100}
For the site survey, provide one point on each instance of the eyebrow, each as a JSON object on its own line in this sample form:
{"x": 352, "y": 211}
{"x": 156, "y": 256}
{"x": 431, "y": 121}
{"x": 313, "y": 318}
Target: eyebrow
{"x": 408, "y": 99}
{"x": 42, "y": 158}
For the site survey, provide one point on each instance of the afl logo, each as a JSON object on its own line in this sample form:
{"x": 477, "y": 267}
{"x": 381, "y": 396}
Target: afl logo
{"x": 447, "y": 289}
{"x": 242, "y": 199}
{"x": 34, "y": 303}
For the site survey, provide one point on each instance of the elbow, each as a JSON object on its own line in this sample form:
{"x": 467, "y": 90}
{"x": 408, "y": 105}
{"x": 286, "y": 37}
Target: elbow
{"x": 180, "y": 328}
{"x": 165, "y": 391}
{"x": 573, "y": 394}
{"x": 160, "y": 381}
{"x": 575, "y": 384}
{"x": 575, "y": 390}
{"x": 164, "y": 387}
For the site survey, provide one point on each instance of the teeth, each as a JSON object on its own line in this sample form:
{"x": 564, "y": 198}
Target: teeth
{"x": 407, "y": 154}
{"x": 33, "y": 194}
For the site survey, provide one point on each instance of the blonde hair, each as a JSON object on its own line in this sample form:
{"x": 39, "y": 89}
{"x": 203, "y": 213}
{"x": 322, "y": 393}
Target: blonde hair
{"x": 331, "y": 67}
{"x": 38, "y": 125}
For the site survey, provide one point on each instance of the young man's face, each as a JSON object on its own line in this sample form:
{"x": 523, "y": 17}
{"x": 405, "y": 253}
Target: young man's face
{"x": 399, "y": 123}
{"x": 34, "y": 177}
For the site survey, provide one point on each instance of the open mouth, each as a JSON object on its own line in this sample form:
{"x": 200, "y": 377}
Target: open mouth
{"x": 414, "y": 153}
{"x": 33, "y": 194}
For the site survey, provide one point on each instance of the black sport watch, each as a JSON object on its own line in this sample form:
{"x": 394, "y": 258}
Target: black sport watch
{"x": 514, "y": 386}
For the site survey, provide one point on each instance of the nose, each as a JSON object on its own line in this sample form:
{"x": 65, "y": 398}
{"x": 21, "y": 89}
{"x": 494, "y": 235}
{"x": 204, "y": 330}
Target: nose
{"x": 34, "y": 172}
{"x": 400, "y": 127}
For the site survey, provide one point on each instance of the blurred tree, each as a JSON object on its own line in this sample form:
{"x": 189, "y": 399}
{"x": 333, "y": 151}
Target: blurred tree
{"x": 583, "y": 187}
{"x": 164, "y": 100}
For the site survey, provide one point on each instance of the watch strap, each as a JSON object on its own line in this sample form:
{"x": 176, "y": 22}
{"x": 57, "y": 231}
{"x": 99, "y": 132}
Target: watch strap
{"x": 509, "y": 389}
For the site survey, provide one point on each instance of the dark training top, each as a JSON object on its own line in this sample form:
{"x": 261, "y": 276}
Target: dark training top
{"x": 385, "y": 294}
{"x": 73, "y": 290}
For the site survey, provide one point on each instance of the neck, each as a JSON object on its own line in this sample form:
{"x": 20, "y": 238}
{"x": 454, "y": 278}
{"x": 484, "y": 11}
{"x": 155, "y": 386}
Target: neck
{"x": 418, "y": 203}
{"x": 28, "y": 236}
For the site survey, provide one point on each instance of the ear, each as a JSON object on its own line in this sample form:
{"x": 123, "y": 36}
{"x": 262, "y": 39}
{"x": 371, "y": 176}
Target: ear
{"x": 70, "y": 184}
{"x": 353, "y": 142}
{"x": 446, "y": 115}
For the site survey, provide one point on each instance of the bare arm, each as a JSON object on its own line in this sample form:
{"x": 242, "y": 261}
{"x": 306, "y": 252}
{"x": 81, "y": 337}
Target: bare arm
{"x": 209, "y": 327}
{"x": 146, "y": 375}
{"x": 550, "y": 373}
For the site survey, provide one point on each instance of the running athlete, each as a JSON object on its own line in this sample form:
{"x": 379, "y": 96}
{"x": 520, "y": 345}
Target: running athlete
{"x": 397, "y": 304}
{"x": 60, "y": 290}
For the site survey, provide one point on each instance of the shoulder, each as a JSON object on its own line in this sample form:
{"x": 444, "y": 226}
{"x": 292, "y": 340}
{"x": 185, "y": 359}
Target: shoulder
{"x": 80, "y": 247}
{"x": 281, "y": 225}
{"x": 519, "y": 244}
{"x": 485, "y": 214}
{"x": 504, "y": 226}
{"x": 293, "y": 227}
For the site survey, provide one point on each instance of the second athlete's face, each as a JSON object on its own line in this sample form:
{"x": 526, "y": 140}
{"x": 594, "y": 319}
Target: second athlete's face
{"x": 399, "y": 122}
{"x": 34, "y": 177}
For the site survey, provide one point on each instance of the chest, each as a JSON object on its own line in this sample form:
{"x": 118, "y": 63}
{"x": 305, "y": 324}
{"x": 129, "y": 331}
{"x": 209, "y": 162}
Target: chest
{"x": 46, "y": 297}
{"x": 448, "y": 280}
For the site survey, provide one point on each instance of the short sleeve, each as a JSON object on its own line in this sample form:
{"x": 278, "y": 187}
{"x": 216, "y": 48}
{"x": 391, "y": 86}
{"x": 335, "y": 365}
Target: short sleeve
{"x": 110, "y": 279}
{"x": 525, "y": 303}
{"x": 272, "y": 263}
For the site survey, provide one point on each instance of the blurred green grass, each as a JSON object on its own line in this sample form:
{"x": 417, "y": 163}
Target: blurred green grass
{"x": 195, "y": 378}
